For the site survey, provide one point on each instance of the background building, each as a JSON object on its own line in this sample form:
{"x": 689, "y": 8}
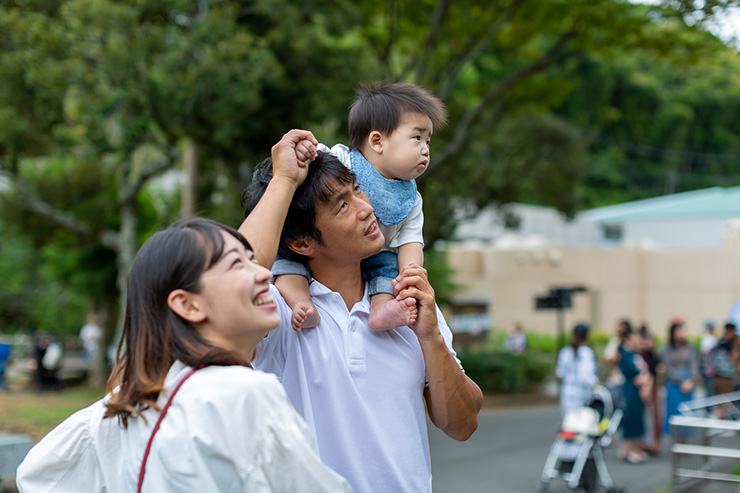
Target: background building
{"x": 649, "y": 261}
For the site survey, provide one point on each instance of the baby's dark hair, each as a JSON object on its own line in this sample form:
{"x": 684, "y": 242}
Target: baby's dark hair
{"x": 380, "y": 106}
{"x": 323, "y": 173}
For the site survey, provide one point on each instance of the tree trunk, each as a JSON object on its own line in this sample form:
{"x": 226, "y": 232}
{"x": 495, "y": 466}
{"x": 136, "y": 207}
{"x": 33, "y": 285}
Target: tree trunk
{"x": 127, "y": 244}
{"x": 190, "y": 169}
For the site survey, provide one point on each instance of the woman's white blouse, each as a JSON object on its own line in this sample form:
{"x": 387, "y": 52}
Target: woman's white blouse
{"x": 229, "y": 429}
{"x": 578, "y": 373}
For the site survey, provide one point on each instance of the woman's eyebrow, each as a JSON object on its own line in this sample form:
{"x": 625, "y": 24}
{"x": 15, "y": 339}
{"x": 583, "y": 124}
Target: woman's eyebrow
{"x": 227, "y": 252}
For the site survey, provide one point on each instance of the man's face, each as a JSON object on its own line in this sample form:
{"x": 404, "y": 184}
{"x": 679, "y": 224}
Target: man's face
{"x": 349, "y": 230}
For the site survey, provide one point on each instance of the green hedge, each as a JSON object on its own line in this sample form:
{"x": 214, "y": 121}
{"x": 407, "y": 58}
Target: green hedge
{"x": 501, "y": 371}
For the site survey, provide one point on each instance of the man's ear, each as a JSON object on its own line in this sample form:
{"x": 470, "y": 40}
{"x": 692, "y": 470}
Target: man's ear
{"x": 375, "y": 141}
{"x": 186, "y": 305}
{"x": 303, "y": 246}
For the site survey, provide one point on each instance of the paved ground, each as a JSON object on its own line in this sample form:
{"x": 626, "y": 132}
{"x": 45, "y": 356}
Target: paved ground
{"x": 508, "y": 451}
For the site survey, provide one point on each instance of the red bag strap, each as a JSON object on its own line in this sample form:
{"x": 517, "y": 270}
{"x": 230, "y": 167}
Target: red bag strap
{"x": 156, "y": 427}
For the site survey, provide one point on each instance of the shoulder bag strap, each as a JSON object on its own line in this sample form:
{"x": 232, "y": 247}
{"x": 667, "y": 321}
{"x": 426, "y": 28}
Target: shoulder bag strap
{"x": 156, "y": 427}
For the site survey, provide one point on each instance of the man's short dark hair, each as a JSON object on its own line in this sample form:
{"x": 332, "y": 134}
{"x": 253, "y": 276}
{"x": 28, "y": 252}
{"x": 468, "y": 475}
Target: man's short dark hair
{"x": 323, "y": 174}
{"x": 380, "y": 107}
{"x": 580, "y": 332}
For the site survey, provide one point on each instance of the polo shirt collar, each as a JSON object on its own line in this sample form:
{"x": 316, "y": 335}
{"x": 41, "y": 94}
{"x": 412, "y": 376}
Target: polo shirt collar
{"x": 321, "y": 292}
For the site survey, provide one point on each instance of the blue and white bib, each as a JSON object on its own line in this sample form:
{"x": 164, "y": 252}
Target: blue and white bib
{"x": 392, "y": 200}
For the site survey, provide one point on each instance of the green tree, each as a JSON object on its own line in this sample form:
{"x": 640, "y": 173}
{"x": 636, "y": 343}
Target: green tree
{"x": 658, "y": 125}
{"x": 112, "y": 91}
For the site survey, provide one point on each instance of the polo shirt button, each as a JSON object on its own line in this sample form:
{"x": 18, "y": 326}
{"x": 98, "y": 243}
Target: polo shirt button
{"x": 354, "y": 329}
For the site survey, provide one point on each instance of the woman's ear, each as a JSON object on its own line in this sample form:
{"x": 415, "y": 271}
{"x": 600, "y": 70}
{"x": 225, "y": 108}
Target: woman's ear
{"x": 186, "y": 305}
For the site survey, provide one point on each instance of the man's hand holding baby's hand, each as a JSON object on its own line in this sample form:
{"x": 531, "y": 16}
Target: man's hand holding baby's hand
{"x": 291, "y": 156}
{"x": 413, "y": 282}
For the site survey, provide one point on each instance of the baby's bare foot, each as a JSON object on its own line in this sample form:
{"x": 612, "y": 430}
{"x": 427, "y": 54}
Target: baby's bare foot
{"x": 305, "y": 316}
{"x": 392, "y": 314}
{"x": 413, "y": 313}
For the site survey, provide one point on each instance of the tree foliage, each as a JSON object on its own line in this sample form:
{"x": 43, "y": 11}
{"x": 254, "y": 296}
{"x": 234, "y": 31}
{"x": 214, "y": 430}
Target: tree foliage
{"x": 556, "y": 102}
{"x": 658, "y": 125}
{"x": 34, "y": 297}
{"x": 96, "y": 98}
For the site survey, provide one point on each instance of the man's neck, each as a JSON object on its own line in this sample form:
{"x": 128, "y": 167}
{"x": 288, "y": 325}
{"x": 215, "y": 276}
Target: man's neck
{"x": 343, "y": 279}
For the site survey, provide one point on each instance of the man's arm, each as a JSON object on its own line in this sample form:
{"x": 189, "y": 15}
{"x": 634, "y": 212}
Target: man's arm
{"x": 453, "y": 399}
{"x": 290, "y": 159}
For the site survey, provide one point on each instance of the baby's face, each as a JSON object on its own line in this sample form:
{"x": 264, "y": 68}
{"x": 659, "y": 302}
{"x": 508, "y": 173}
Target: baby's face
{"x": 406, "y": 150}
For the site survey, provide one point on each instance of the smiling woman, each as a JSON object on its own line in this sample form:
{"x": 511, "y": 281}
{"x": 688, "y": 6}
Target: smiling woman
{"x": 232, "y": 290}
{"x": 185, "y": 411}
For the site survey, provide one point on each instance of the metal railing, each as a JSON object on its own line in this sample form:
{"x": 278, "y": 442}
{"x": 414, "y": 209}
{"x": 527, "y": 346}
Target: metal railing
{"x": 704, "y": 447}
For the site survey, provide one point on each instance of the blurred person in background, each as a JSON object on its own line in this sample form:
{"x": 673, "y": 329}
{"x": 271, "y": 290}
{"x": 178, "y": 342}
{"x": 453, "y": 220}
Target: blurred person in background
{"x": 516, "y": 340}
{"x": 707, "y": 342}
{"x": 723, "y": 360}
{"x": 681, "y": 370}
{"x": 576, "y": 369}
{"x": 635, "y": 379}
{"x": 5, "y": 349}
{"x": 46, "y": 362}
{"x": 653, "y": 428}
{"x": 90, "y": 337}
{"x": 613, "y": 378}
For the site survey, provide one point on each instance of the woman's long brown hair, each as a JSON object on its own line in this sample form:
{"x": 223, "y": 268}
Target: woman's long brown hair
{"x": 154, "y": 336}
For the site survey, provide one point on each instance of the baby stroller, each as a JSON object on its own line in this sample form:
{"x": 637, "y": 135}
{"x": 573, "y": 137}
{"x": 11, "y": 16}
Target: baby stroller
{"x": 577, "y": 455}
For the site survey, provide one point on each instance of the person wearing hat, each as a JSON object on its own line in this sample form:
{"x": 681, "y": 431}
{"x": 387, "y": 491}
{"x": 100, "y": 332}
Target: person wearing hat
{"x": 576, "y": 369}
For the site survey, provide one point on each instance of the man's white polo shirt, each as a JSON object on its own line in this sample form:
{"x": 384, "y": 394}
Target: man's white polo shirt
{"x": 361, "y": 392}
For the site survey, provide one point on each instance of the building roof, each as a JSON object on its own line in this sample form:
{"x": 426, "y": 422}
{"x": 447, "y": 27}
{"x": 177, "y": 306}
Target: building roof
{"x": 716, "y": 202}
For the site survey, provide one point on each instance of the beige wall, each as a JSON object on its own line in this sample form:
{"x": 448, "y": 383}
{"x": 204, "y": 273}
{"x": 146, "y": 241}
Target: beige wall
{"x": 643, "y": 284}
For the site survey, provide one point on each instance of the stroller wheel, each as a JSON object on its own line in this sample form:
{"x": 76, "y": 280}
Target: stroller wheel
{"x": 588, "y": 477}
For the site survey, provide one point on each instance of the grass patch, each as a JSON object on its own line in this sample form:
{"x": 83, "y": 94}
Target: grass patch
{"x": 34, "y": 414}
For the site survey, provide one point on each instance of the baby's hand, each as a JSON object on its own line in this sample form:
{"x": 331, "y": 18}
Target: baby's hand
{"x": 286, "y": 161}
{"x": 305, "y": 151}
{"x": 305, "y": 316}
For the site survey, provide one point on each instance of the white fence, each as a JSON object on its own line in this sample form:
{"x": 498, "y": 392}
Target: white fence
{"x": 706, "y": 448}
